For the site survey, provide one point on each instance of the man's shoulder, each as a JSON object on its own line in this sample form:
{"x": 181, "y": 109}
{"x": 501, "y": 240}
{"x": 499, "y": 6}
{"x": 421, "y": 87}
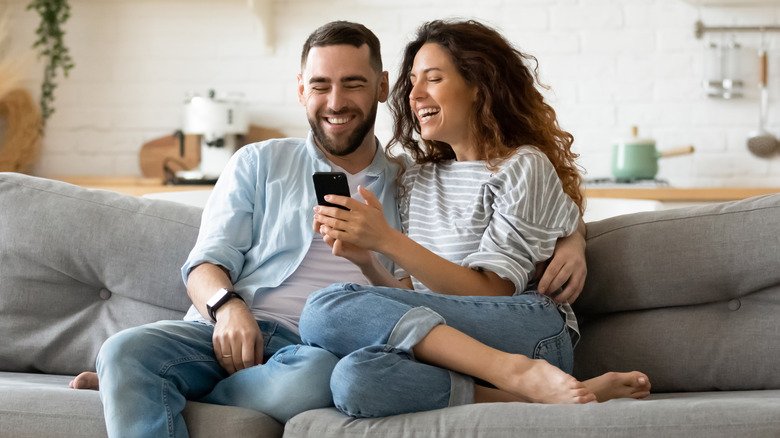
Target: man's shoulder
{"x": 275, "y": 144}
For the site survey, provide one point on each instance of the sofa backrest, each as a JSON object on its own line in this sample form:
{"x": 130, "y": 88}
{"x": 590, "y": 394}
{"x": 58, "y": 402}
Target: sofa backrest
{"x": 689, "y": 296}
{"x": 78, "y": 265}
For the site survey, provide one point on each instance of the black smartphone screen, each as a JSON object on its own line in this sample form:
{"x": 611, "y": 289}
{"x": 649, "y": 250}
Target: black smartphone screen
{"x": 330, "y": 183}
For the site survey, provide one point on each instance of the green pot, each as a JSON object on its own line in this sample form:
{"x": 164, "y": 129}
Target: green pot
{"x": 635, "y": 159}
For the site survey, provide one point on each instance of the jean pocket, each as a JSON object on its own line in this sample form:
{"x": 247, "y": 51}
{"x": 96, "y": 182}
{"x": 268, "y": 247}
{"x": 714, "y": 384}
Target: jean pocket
{"x": 557, "y": 350}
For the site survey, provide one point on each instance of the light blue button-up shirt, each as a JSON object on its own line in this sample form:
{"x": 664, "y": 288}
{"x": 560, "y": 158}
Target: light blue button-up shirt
{"x": 258, "y": 220}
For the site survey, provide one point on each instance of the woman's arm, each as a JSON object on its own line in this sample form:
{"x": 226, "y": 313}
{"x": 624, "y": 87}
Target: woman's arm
{"x": 364, "y": 226}
{"x": 369, "y": 265}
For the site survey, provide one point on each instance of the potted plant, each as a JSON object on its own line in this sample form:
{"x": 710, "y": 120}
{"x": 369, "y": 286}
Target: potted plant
{"x": 50, "y": 45}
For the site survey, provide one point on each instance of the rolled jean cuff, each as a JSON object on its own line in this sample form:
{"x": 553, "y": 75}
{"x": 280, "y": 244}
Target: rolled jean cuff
{"x": 413, "y": 326}
{"x": 461, "y": 389}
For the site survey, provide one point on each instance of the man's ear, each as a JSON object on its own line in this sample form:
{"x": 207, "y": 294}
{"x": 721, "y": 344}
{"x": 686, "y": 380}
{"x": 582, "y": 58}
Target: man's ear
{"x": 301, "y": 88}
{"x": 384, "y": 86}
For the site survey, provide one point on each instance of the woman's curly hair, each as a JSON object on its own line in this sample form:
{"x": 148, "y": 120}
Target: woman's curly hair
{"x": 510, "y": 110}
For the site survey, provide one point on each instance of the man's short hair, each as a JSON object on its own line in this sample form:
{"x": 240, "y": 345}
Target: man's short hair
{"x": 344, "y": 32}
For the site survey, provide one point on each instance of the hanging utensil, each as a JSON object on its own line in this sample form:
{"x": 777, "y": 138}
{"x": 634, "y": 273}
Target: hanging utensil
{"x": 761, "y": 143}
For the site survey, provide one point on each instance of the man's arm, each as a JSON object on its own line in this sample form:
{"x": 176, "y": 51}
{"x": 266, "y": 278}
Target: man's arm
{"x": 567, "y": 267}
{"x": 238, "y": 342}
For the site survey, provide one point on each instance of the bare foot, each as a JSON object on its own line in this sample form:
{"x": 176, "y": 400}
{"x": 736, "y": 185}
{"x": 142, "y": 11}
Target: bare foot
{"x": 85, "y": 380}
{"x": 619, "y": 385}
{"x": 537, "y": 381}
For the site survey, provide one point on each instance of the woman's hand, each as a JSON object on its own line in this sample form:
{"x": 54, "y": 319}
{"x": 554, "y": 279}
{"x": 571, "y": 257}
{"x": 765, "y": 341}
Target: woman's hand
{"x": 361, "y": 257}
{"x": 363, "y": 226}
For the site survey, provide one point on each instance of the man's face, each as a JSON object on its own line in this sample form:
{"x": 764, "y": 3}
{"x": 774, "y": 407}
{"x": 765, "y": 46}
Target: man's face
{"x": 341, "y": 92}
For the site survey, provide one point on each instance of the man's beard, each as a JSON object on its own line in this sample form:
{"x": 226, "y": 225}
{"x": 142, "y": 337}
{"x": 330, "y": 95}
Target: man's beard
{"x": 353, "y": 141}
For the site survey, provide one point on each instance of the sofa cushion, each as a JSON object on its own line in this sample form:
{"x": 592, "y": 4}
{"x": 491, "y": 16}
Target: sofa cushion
{"x": 710, "y": 415}
{"x": 682, "y": 257}
{"x": 79, "y": 265}
{"x": 41, "y": 406}
{"x": 688, "y": 296}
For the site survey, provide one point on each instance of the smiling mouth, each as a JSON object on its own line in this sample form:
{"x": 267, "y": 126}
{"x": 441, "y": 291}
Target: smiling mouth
{"x": 338, "y": 120}
{"x": 426, "y": 113}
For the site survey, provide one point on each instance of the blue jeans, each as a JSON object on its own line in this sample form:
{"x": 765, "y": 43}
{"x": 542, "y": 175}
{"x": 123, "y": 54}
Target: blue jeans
{"x": 147, "y": 373}
{"x": 373, "y": 330}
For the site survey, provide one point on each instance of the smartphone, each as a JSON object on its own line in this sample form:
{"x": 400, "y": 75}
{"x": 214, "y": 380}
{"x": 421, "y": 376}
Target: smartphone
{"x": 330, "y": 183}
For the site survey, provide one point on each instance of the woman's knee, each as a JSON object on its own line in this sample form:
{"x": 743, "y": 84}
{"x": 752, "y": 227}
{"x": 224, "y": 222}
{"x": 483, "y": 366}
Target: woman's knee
{"x": 319, "y": 314}
{"x": 354, "y": 387}
{"x": 369, "y": 382}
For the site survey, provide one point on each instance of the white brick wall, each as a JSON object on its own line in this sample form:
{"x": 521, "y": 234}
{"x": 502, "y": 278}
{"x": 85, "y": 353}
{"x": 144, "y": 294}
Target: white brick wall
{"x": 611, "y": 64}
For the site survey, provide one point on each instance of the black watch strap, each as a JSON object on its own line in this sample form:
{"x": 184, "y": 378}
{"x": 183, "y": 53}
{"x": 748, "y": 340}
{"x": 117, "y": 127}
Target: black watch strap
{"x": 220, "y": 299}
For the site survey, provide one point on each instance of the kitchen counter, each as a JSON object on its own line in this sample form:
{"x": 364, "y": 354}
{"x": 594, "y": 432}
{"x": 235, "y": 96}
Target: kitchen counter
{"x": 670, "y": 194}
{"x": 137, "y": 186}
{"x": 129, "y": 185}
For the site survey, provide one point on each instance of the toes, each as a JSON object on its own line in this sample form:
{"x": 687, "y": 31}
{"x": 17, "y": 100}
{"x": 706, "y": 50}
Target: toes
{"x": 587, "y": 398}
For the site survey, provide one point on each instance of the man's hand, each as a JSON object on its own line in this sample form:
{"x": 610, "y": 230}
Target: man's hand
{"x": 238, "y": 341}
{"x": 566, "y": 268}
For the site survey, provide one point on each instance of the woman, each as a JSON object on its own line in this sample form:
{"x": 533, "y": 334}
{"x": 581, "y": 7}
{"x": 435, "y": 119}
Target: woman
{"x": 493, "y": 186}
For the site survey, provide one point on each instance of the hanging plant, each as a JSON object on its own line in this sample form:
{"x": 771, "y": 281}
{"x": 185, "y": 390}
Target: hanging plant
{"x": 53, "y": 13}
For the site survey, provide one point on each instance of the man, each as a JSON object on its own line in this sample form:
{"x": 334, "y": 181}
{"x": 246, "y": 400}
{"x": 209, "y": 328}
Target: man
{"x": 257, "y": 259}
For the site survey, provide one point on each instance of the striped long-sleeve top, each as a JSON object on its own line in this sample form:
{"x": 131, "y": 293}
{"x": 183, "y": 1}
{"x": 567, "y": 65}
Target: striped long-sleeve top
{"x": 504, "y": 222}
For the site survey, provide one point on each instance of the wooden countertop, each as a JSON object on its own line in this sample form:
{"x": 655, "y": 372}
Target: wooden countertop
{"x": 670, "y": 194}
{"x": 130, "y": 185}
{"x": 137, "y": 186}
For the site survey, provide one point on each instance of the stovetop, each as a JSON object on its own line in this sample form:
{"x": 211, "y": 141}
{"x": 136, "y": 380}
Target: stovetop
{"x": 625, "y": 183}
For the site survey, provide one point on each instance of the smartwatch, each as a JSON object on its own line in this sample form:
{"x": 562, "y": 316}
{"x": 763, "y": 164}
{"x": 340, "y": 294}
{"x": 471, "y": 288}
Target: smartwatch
{"x": 218, "y": 300}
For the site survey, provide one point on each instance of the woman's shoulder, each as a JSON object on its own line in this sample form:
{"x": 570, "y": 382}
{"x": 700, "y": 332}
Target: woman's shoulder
{"x": 526, "y": 164}
{"x": 525, "y": 156}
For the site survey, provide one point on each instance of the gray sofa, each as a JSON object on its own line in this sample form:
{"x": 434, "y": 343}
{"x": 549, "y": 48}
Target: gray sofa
{"x": 689, "y": 296}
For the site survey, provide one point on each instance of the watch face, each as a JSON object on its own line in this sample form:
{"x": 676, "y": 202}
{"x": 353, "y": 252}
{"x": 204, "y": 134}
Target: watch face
{"x": 214, "y": 300}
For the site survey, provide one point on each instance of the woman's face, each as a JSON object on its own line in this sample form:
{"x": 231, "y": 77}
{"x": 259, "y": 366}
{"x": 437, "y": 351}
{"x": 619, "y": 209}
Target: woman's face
{"x": 442, "y": 100}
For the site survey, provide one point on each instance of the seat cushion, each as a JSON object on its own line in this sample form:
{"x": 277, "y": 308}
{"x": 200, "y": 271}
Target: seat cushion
{"x": 690, "y": 415}
{"x": 42, "y": 406}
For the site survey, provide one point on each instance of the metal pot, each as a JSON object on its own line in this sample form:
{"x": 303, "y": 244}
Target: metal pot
{"x": 636, "y": 158}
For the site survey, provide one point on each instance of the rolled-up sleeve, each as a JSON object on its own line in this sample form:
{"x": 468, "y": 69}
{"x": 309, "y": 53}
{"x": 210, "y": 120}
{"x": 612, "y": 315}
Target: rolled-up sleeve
{"x": 226, "y": 225}
{"x": 531, "y": 212}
